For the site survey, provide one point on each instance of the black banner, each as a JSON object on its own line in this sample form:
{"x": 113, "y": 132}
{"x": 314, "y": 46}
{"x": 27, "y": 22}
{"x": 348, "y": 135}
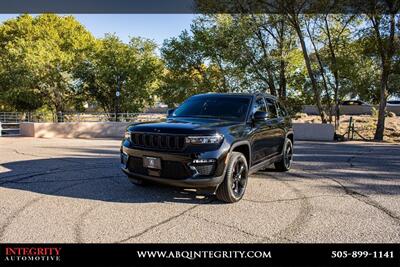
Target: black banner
{"x": 199, "y": 254}
{"x": 197, "y": 6}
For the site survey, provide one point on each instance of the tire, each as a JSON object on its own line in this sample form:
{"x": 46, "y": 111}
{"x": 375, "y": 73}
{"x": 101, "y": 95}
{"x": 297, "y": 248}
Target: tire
{"x": 137, "y": 181}
{"x": 234, "y": 185}
{"x": 287, "y": 157}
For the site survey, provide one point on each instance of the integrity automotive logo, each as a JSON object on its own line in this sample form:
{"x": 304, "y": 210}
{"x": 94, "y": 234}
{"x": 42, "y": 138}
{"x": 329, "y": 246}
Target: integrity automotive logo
{"x": 32, "y": 254}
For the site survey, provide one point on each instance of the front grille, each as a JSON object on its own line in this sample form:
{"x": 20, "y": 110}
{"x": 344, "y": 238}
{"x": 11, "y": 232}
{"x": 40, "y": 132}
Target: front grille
{"x": 169, "y": 169}
{"x": 158, "y": 141}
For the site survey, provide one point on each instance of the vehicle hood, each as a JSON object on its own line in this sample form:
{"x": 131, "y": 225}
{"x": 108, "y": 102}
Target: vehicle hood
{"x": 185, "y": 126}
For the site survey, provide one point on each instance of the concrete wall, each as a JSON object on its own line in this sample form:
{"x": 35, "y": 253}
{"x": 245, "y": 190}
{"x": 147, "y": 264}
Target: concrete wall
{"x": 352, "y": 110}
{"x": 303, "y": 131}
{"x": 313, "y": 131}
{"x": 74, "y": 129}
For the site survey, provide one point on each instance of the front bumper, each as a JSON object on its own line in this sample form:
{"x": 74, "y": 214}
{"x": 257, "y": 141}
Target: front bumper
{"x": 194, "y": 180}
{"x": 186, "y": 183}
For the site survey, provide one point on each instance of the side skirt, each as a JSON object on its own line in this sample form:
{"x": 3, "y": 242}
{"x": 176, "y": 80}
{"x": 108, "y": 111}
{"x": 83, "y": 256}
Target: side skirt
{"x": 265, "y": 163}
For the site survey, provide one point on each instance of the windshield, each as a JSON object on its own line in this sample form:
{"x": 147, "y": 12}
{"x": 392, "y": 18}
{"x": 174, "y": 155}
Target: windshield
{"x": 216, "y": 107}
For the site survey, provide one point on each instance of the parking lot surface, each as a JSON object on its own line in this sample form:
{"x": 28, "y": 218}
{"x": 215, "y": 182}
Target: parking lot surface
{"x": 71, "y": 190}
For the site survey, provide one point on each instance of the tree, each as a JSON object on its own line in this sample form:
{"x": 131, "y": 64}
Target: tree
{"x": 383, "y": 31}
{"x": 193, "y": 65}
{"x": 330, "y": 38}
{"x": 229, "y": 53}
{"x": 133, "y": 69}
{"x": 293, "y": 9}
{"x": 37, "y": 58}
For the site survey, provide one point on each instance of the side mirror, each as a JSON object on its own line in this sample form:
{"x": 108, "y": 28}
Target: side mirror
{"x": 170, "y": 112}
{"x": 260, "y": 116}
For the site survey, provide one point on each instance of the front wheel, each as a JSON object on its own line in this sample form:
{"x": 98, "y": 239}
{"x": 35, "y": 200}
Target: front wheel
{"x": 287, "y": 157}
{"x": 234, "y": 185}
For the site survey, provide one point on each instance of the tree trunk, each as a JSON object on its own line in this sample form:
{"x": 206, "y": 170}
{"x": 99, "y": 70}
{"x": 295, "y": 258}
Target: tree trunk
{"x": 225, "y": 87}
{"x": 335, "y": 74}
{"x": 386, "y": 53}
{"x": 282, "y": 79}
{"x": 270, "y": 76}
{"x": 380, "y": 127}
{"x": 282, "y": 65}
{"x": 271, "y": 83}
{"x": 317, "y": 95}
{"x": 322, "y": 71}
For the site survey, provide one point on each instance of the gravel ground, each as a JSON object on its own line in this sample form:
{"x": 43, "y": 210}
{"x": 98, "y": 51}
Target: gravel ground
{"x": 365, "y": 125}
{"x": 71, "y": 190}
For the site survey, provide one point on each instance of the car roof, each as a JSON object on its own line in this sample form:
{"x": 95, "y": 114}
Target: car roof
{"x": 237, "y": 94}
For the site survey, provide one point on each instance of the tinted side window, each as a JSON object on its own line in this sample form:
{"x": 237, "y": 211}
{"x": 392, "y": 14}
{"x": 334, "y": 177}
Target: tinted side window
{"x": 259, "y": 105}
{"x": 281, "y": 110}
{"x": 271, "y": 108}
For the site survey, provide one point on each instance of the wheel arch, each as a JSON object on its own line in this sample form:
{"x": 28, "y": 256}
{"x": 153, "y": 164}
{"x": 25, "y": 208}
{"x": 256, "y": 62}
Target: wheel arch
{"x": 244, "y": 148}
{"x": 290, "y": 135}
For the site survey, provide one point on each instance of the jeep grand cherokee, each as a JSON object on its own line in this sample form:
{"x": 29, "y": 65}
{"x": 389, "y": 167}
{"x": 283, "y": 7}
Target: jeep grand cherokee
{"x": 211, "y": 142}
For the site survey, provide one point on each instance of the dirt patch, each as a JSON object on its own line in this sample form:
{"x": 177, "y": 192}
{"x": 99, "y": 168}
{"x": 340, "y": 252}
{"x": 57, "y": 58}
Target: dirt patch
{"x": 365, "y": 125}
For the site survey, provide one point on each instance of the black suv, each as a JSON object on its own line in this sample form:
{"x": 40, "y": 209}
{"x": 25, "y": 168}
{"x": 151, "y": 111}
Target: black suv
{"x": 211, "y": 142}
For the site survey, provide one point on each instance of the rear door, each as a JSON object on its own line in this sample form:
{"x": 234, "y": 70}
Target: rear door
{"x": 276, "y": 124}
{"x": 283, "y": 121}
{"x": 261, "y": 139}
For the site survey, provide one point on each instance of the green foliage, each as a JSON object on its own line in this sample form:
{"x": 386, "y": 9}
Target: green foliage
{"x": 52, "y": 63}
{"x": 228, "y": 53}
{"x": 38, "y": 55}
{"x": 189, "y": 69}
{"x": 374, "y": 112}
{"x": 293, "y": 105}
{"x": 133, "y": 69}
{"x": 261, "y": 53}
{"x": 22, "y": 99}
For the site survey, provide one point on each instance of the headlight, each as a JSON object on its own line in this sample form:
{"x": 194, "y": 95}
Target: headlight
{"x": 127, "y": 135}
{"x": 206, "y": 139}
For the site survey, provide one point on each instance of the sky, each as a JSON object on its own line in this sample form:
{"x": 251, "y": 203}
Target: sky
{"x": 156, "y": 27}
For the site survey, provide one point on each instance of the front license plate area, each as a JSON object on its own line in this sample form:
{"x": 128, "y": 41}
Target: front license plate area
{"x": 152, "y": 163}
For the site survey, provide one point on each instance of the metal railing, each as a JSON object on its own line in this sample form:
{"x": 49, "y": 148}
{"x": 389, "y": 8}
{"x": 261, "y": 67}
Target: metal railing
{"x": 17, "y": 117}
{"x": 351, "y": 131}
{"x": 10, "y": 117}
{"x": 9, "y": 129}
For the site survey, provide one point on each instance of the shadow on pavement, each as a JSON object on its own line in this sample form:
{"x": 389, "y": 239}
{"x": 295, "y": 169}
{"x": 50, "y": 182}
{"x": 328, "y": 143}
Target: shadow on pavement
{"x": 369, "y": 168}
{"x": 94, "y": 174}
{"x": 94, "y": 178}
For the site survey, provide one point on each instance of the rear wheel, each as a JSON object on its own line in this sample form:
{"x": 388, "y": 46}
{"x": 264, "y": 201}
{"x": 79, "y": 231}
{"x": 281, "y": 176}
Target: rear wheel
{"x": 234, "y": 185}
{"x": 287, "y": 157}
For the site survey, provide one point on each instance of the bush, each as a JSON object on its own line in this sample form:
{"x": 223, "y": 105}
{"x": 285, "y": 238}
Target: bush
{"x": 300, "y": 115}
{"x": 391, "y": 114}
{"x": 293, "y": 105}
{"x": 374, "y": 112}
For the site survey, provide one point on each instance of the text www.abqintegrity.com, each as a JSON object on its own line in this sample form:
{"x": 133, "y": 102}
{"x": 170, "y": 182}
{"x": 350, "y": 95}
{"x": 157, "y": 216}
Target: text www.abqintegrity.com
{"x": 204, "y": 254}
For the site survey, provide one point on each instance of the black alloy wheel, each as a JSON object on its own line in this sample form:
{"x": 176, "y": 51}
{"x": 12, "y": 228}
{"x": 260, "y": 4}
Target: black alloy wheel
{"x": 234, "y": 185}
{"x": 287, "y": 157}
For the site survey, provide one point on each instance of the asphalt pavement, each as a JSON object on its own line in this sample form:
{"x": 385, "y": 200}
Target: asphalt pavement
{"x": 72, "y": 190}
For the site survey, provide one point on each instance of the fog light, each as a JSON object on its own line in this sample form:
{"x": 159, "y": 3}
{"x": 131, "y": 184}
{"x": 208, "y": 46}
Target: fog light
{"x": 204, "y": 167}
